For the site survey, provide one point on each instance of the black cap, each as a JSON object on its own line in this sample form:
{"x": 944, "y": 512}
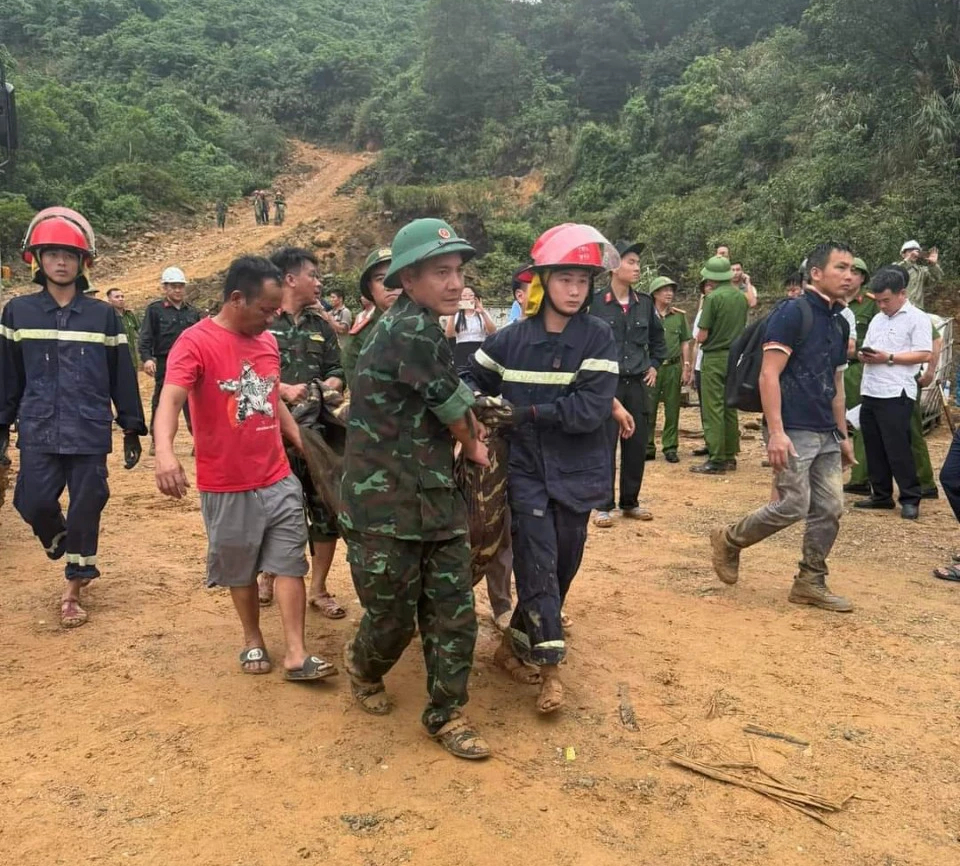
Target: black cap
{"x": 624, "y": 247}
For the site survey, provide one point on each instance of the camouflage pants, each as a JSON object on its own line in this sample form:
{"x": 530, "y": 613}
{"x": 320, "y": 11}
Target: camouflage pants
{"x": 401, "y": 584}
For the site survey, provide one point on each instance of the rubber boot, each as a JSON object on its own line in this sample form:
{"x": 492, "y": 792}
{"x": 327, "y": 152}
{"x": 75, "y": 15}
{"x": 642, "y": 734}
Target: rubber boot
{"x": 814, "y": 590}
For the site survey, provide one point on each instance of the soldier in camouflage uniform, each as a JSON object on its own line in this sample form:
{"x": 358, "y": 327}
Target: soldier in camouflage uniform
{"x": 403, "y": 517}
{"x": 308, "y": 351}
{"x": 372, "y": 288}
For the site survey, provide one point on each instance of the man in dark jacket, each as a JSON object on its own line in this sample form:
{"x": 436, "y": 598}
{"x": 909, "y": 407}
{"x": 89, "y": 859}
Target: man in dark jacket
{"x": 164, "y": 321}
{"x": 63, "y": 360}
{"x": 641, "y": 349}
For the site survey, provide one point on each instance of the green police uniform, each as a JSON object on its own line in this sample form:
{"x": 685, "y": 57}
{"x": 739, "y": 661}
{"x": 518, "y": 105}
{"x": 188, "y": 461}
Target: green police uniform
{"x": 724, "y": 317}
{"x": 864, "y": 308}
{"x": 308, "y": 350}
{"x": 667, "y": 389}
{"x": 404, "y": 518}
{"x": 131, "y": 327}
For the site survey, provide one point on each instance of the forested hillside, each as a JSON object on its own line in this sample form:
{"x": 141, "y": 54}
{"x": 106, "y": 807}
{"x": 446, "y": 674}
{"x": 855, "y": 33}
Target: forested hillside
{"x": 762, "y": 123}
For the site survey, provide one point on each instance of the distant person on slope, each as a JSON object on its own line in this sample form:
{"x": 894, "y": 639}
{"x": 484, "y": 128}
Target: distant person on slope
{"x": 163, "y": 322}
{"x": 221, "y": 214}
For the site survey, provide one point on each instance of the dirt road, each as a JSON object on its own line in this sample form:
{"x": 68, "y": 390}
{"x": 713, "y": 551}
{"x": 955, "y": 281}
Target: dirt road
{"x": 136, "y": 739}
{"x": 201, "y": 251}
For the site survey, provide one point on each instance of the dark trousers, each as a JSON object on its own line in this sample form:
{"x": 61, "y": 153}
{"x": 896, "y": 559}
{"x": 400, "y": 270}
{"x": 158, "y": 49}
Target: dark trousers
{"x": 633, "y": 451}
{"x": 157, "y": 388}
{"x": 40, "y": 485}
{"x": 547, "y": 551}
{"x": 885, "y": 423}
{"x": 950, "y": 475}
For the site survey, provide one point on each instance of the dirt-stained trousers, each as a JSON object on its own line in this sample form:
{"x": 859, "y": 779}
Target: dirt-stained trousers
{"x": 405, "y": 583}
{"x": 36, "y": 497}
{"x": 547, "y": 551}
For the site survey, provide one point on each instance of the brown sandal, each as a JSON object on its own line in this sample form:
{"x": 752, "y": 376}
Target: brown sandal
{"x": 460, "y": 739}
{"x": 519, "y": 671}
{"x": 71, "y": 614}
{"x": 371, "y": 696}
{"x": 327, "y": 606}
{"x": 550, "y": 698}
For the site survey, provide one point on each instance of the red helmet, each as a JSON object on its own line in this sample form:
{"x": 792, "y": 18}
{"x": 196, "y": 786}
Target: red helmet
{"x": 59, "y": 227}
{"x": 572, "y": 245}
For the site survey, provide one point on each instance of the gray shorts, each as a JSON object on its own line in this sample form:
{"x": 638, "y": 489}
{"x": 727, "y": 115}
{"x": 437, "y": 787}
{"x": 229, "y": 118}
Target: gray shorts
{"x": 254, "y": 531}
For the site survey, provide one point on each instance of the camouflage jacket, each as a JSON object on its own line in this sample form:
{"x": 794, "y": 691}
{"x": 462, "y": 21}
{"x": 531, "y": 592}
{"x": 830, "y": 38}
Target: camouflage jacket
{"x": 354, "y": 342}
{"x": 398, "y": 462}
{"x": 308, "y": 348}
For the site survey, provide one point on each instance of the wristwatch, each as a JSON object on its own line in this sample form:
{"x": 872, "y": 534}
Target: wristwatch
{"x": 890, "y": 360}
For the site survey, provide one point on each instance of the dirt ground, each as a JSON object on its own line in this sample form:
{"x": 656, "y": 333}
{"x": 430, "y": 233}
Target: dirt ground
{"x": 136, "y": 738}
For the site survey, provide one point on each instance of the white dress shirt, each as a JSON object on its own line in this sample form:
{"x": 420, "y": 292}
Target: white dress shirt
{"x": 907, "y": 330}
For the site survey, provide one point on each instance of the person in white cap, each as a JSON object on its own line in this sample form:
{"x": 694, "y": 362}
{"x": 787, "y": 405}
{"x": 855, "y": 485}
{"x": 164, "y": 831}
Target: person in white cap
{"x": 164, "y": 321}
{"x": 924, "y": 273}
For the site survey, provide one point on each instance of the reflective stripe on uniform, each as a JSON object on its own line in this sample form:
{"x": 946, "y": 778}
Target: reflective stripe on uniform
{"x": 21, "y": 334}
{"x": 77, "y": 559}
{"x": 545, "y": 377}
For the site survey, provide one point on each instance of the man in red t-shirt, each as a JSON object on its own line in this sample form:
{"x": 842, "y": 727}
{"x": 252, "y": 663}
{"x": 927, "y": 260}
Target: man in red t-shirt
{"x": 252, "y": 504}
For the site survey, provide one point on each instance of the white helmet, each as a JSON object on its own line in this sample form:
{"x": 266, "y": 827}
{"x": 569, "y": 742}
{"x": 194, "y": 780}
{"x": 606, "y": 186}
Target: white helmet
{"x": 910, "y": 245}
{"x": 173, "y": 275}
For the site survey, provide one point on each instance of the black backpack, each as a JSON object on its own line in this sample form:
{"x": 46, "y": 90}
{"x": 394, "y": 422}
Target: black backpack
{"x": 746, "y": 357}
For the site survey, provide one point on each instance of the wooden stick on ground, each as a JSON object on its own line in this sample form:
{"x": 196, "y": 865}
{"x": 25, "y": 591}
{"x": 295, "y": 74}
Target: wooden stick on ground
{"x": 774, "y": 735}
{"x": 628, "y": 718}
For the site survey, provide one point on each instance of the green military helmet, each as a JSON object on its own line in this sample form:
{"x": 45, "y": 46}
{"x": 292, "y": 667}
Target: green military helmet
{"x": 717, "y": 270}
{"x": 660, "y": 283}
{"x": 376, "y": 257}
{"x": 421, "y": 240}
{"x": 861, "y": 265}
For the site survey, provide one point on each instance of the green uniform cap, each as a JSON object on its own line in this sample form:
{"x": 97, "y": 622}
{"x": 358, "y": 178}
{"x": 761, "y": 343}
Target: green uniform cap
{"x": 661, "y": 283}
{"x": 717, "y": 270}
{"x": 421, "y": 240}
{"x": 861, "y": 265}
{"x": 376, "y": 257}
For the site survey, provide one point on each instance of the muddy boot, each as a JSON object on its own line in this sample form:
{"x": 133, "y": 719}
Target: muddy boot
{"x": 814, "y": 590}
{"x": 726, "y": 557}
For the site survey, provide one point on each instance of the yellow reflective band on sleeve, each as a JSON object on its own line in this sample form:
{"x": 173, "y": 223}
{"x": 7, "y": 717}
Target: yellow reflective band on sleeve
{"x": 536, "y": 377}
{"x": 599, "y": 365}
{"x": 7, "y": 332}
{"x": 21, "y": 334}
{"x": 485, "y": 361}
{"x": 77, "y": 559}
{"x": 550, "y": 644}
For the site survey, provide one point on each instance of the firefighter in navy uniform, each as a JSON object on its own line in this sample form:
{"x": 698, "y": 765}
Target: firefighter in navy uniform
{"x": 558, "y": 367}
{"x": 63, "y": 361}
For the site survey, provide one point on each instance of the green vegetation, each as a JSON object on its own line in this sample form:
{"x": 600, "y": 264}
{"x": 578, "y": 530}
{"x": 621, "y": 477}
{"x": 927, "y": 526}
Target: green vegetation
{"x": 764, "y": 124}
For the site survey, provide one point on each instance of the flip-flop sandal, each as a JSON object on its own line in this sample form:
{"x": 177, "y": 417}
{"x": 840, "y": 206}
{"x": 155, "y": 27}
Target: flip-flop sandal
{"x": 255, "y": 655}
{"x": 948, "y": 572}
{"x": 460, "y": 739}
{"x": 327, "y": 606}
{"x": 71, "y": 614}
{"x": 603, "y": 520}
{"x": 265, "y": 589}
{"x": 551, "y": 697}
{"x": 520, "y": 672}
{"x": 955, "y": 557}
{"x": 313, "y": 668}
